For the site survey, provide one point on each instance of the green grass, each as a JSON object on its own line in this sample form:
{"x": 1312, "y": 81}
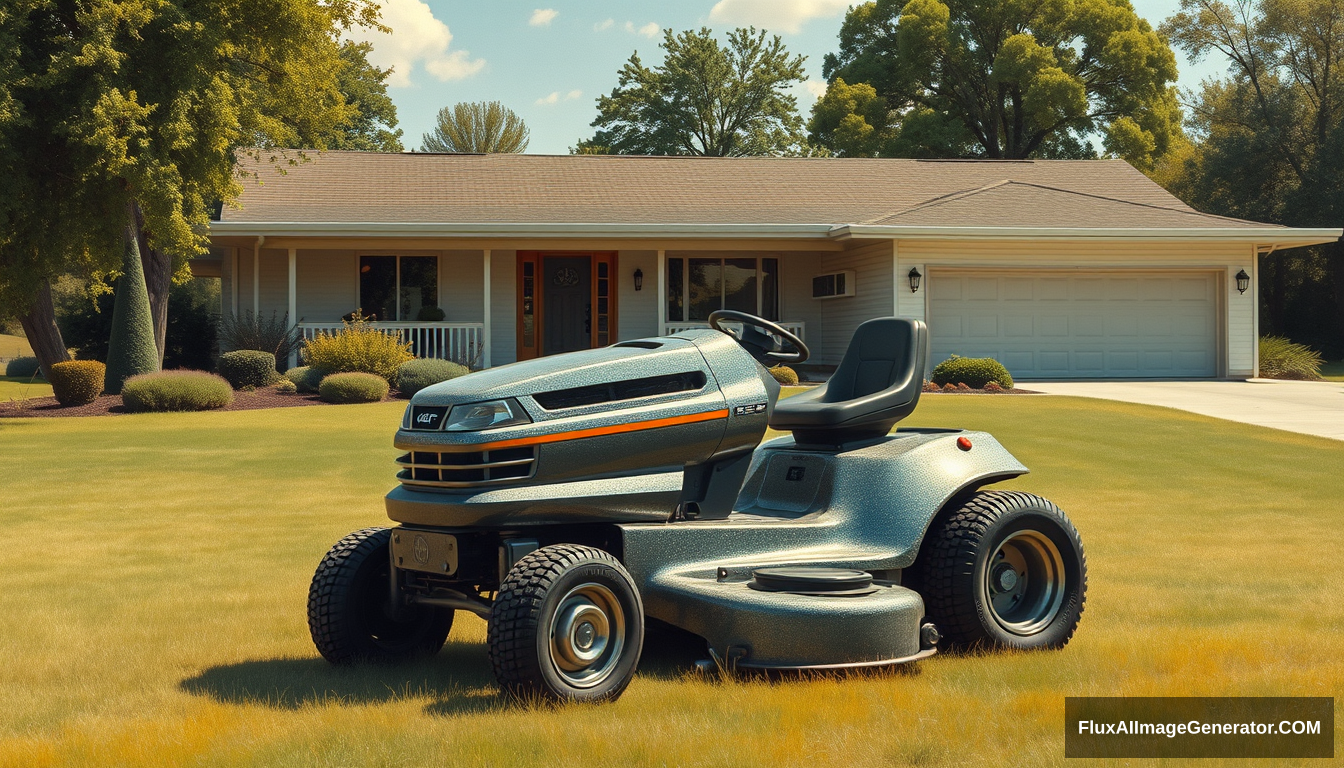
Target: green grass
{"x": 1333, "y": 371}
{"x": 13, "y": 388}
{"x": 14, "y": 346}
{"x": 154, "y": 588}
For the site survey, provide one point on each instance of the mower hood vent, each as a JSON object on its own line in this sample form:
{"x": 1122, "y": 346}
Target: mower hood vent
{"x": 630, "y": 389}
{"x": 466, "y": 469}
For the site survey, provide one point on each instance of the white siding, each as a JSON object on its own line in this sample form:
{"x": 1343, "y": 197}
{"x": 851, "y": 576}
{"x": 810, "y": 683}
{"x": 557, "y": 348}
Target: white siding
{"x": 328, "y": 285}
{"x": 503, "y": 307}
{"x": 636, "y": 311}
{"x": 796, "y": 304}
{"x": 872, "y": 297}
{"x": 1241, "y": 309}
{"x": 461, "y": 275}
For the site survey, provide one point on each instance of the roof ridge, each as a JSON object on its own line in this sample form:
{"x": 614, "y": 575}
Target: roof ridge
{"x": 1189, "y": 211}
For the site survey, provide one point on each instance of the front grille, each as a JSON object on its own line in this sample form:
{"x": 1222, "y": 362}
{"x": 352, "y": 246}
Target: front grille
{"x": 462, "y": 470}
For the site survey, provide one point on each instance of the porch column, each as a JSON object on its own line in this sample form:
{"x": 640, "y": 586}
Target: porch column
{"x": 256, "y": 276}
{"x": 895, "y": 281}
{"x": 662, "y": 291}
{"x": 233, "y": 283}
{"x": 485, "y": 320}
{"x": 293, "y": 299}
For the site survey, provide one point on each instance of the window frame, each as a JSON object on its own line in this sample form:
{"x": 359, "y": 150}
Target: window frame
{"x": 685, "y": 258}
{"x": 396, "y": 287}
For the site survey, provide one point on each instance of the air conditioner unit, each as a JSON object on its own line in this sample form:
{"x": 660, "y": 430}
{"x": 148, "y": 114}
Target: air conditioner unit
{"x": 833, "y": 285}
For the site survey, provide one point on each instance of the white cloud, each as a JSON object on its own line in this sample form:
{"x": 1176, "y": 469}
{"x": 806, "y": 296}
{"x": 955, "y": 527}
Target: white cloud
{"x": 417, "y": 38}
{"x": 816, "y": 87}
{"x": 603, "y": 26}
{"x": 649, "y": 30}
{"x": 777, "y": 15}
{"x": 542, "y": 17}
{"x": 554, "y": 97}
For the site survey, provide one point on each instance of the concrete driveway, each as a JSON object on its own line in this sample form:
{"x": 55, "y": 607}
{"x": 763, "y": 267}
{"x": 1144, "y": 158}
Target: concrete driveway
{"x": 1308, "y": 407}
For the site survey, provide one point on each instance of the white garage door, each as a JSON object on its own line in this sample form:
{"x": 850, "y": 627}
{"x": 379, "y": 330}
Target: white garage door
{"x": 1078, "y": 325}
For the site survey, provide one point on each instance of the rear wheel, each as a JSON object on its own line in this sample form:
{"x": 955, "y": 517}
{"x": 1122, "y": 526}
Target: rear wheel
{"x": 567, "y": 624}
{"x": 350, "y": 612}
{"x": 1003, "y": 569}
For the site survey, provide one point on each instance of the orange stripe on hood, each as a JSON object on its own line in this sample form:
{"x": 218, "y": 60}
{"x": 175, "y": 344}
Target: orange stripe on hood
{"x": 555, "y": 437}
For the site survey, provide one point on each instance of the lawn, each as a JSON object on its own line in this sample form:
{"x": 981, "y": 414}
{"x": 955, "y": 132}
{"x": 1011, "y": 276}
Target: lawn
{"x": 1333, "y": 371}
{"x": 153, "y": 604}
{"x": 14, "y": 346}
{"x": 14, "y": 388}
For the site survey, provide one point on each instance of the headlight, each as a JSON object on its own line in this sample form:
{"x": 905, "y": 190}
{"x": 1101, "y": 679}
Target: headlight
{"x": 406, "y": 418}
{"x": 487, "y": 415}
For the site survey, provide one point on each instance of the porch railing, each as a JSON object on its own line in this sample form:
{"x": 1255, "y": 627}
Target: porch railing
{"x": 460, "y": 342}
{"x": 670, "y": 328}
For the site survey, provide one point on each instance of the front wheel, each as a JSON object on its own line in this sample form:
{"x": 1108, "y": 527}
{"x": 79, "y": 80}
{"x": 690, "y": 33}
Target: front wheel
{"x": 567, "y": 625}
{"x": 1003, "y": 569}
{"x": 350, "y": 612}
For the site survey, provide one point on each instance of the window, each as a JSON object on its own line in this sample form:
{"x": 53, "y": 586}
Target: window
{"x": 699, "y": 286}
{"x": 401, "y": 288}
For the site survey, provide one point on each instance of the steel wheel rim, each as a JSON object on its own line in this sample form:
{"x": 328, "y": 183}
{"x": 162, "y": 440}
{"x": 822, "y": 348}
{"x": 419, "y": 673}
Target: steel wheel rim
{"x": 587, "y": 635}
{"x": 1024, "y": 583}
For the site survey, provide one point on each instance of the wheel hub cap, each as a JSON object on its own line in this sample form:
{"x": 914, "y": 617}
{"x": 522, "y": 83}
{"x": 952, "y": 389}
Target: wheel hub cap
{"x": 587, "y": 635}
{"x": 1024, "y": 583}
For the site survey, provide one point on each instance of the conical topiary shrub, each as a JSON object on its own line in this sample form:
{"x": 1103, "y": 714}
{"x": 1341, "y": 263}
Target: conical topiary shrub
{"x": 131, "y": 350}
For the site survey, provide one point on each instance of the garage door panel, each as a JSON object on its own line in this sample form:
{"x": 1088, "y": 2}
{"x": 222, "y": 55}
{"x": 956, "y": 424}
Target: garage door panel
{"x": 1078, "y": 325}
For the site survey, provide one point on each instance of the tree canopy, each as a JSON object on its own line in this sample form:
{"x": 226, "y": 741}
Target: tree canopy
{"x": 1269, "y": 144}
{"x": 998, "y": 79}
{"x": 372, "y": 127}
{"x": 132, "y": 110}
{"x": 704, "y": 99}
{"x": 481, "y": 127}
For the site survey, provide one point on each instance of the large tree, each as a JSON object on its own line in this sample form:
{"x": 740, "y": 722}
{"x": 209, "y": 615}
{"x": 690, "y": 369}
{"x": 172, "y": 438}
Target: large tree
{"x": 477, "y": 127}
{"x": 373, "y": 125}
{"x": 132, "y": 111}
{"x": 998, "y": 79}
{"x": 704, "y": 99}
{"x": 1270, "y": 144}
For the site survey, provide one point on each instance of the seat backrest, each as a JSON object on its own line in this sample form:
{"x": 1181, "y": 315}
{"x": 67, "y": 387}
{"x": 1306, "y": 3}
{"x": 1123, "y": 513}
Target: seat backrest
{"x": 884, "y": 352}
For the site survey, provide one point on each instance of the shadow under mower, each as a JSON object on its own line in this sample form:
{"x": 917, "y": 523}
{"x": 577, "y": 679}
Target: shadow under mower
{"x": 566, "y": 498}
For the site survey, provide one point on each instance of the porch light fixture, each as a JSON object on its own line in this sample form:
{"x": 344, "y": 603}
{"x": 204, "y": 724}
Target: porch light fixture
{"x": 1243, "y": 281}
{"x": 914, "y": 279}
{"x": 639, "y": 279}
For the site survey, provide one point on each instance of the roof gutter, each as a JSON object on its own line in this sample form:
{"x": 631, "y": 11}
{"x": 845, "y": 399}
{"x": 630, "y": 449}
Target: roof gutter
{"x": 529, "y": 229}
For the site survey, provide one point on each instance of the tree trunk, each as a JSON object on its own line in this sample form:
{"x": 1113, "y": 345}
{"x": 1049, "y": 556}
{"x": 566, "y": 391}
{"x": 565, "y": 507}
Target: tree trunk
{"x": 158, "y": 268}
{"x": 39, "y": 325}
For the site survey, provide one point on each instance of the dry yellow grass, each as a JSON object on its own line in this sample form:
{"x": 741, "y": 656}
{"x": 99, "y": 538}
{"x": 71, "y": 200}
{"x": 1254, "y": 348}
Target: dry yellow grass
{"x": 14, "y": 346}
{"x": 153, "y": 604}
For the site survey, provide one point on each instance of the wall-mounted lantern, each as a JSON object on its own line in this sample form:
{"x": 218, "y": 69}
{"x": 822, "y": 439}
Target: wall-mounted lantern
{"x": 914, "y": 279}
{"x": 1243, "y": 281}
{"x": 639, "y": 279}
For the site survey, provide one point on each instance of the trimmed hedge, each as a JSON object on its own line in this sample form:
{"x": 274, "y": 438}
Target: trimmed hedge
{"x": 306, "y": 378}
{"x": 784, "y": 375}
{"x": 974, "y": 372}
{"x": 343, "y": 388}
{"x": 23, "y": 368}
{"x": 415, "y": 375}
{"x": 180, "y": 390}
{"x": 357, "y": 348}
{"x": 1282, "y": 359}
{"x": 248, "y": 368}
{"x": 286, "y": 387}
{"x": 78, "y": 382}
{"x": 131, "y": 348}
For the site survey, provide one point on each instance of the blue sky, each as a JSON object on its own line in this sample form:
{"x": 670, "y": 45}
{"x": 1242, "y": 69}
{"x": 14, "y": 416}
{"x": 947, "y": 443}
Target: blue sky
{"x": 548, "y": 60}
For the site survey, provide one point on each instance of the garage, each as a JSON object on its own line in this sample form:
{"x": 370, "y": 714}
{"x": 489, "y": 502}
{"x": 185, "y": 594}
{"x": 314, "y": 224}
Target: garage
{"x": 1078, "y": 323}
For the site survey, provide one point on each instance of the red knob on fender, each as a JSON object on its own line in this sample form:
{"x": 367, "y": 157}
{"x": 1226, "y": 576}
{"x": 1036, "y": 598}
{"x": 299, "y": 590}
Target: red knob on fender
{"x": 964, "y": 443}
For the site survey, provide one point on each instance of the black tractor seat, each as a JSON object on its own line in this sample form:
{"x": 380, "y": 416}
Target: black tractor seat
{"x": 877, "y": 384}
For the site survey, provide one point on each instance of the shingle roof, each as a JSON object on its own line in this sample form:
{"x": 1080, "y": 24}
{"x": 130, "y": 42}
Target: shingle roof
{"x": 568, "y": 189}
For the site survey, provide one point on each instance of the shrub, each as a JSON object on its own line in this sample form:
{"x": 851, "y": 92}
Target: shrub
{"x": 286, "y": 387}
{"x": 131, "y": 348}
{"x": 179, "y": 390}
{"x": 962, "y": 387}
{"x": 23, "y": 368}
{"x": 78, "y": 382}
{"x": 949, "y": 387}
{"x": 306, "y": 378}
{"x": 1282, "y": 359}
{"x": 974, "y": 372}
{"x": 357, "y": 348}
{"x": 248, "y": 368}
{"x": 993, "y": 386}
{"x": 415, "y": 375}
{"x": 353, "y": 388}
{"x": 273, "y": 334}
{"x": 784, "y": 375}
{"x": 929, "y": 386}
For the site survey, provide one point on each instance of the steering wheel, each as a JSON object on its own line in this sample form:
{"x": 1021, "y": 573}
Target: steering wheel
{"x": 757, "y": 339}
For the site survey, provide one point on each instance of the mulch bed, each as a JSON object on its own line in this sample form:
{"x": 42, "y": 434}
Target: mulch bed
{"x": 110, "y": 405}
{"x": 1006, "y": 391}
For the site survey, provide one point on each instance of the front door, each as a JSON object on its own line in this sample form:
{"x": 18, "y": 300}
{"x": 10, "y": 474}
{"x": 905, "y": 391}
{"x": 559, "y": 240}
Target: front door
{"x": 566, "y": 301}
